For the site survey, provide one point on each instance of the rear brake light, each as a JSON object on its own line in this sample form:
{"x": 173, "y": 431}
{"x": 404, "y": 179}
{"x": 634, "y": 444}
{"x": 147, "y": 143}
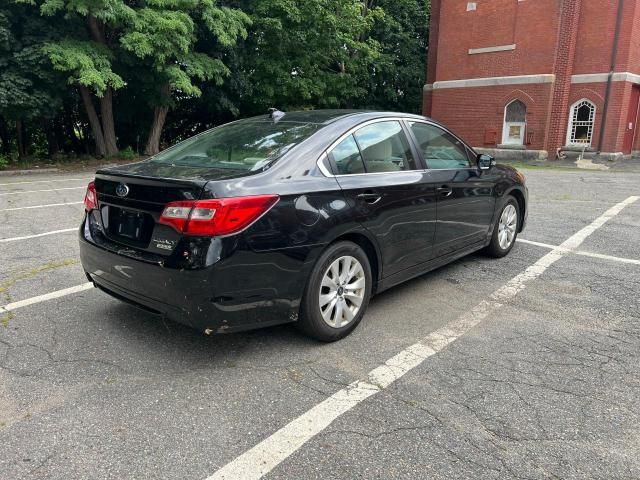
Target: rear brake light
{"x": 219, "y": 217}
{"x": 91, "y": 197}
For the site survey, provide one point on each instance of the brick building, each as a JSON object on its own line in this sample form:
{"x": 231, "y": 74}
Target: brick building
{"x": 537, "y": 75}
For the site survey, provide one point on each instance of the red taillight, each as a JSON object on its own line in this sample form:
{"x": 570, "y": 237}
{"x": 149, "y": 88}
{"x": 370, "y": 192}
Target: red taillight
{"x": 219, "y": 217}
{"x": 91, "y": 197}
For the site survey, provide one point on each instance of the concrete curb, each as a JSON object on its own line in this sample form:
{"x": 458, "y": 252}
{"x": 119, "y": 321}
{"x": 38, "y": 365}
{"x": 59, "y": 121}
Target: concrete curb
{"x": 11, "y": 173}
{"x": 579, "y": 166}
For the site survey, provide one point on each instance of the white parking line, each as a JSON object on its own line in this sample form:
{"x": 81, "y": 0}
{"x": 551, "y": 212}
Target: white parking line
{"x": 22, "y": 192}
{"x": 39, "y": 206}
{"x": 537, "y": 244}
{"x": 47, "y": 296}
{"x": 48, "y": 181}
{"x": 270, "y": 452}
{"x": 584, "y": 253}
{"x": 27, "y": 237}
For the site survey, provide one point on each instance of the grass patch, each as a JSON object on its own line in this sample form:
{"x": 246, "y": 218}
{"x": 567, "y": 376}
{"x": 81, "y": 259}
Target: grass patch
{"x": 7, "y": 284}
{"x": 4, "y": 286}
{"x": 560, "y": 168}
{"x": 5, "y": 319}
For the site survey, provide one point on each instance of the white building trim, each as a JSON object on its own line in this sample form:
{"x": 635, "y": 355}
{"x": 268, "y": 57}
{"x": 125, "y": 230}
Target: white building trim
{"x": 498, "y": 48}
{"x": 492, "y": 81}
{"x": 532, "y": 79}
{"x": 603, "y": 77}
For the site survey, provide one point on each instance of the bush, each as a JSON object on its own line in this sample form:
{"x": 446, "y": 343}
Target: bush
{"x": 4, "y": 161}
{"x": 128, "y": 154}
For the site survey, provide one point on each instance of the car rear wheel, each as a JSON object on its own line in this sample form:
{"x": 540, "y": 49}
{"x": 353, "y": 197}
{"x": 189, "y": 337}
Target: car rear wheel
{"x": 337, "y": 294}
{"x": 505, "y": 231}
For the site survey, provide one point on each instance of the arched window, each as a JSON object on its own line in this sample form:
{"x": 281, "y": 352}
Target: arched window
{"x": 581, "y": 120}
{"x": 515, "y": 122}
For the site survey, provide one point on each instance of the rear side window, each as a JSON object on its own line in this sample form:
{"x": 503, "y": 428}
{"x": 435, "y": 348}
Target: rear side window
{"x": 385, "y": 147}
{"x": 347, "y": 158}
{"x": 441, "y": 150}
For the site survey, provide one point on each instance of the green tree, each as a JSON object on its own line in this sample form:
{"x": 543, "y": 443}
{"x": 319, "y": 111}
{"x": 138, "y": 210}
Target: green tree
{"x": 324, "y": 54}
{"x": 396, "y": 79}
{"x": 160, "y": 32}
{"x": 30, "y": 91}
{"x": 113, "y": 63}
{"x": 163, "y": 34}
{"x": 86, "y": 54}
{"x": 310, "y": 54}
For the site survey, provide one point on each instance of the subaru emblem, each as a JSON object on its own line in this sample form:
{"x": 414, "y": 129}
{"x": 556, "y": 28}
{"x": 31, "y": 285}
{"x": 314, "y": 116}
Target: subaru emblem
{"x": 122, "y": 190}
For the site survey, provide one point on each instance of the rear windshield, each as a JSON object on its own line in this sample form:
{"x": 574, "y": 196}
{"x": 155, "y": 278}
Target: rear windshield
{"x": 249, "y": 145}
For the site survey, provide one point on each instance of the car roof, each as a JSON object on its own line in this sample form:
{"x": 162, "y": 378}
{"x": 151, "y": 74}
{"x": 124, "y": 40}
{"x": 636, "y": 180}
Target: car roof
{"x": 326, "y": 117}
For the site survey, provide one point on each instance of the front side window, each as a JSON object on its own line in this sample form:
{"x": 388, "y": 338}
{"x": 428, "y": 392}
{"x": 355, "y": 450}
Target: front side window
{"x": 515, "y": 122}
{"x": 248, "y": 145}
{"x": 581, "y": 120}
{"x": 385, "y": 147}
{"x": 441, "y": 150}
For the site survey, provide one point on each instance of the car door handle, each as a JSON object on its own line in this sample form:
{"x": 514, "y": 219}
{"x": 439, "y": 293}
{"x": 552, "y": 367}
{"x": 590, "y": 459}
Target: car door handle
{"x": 444, "y": 191}
{"x": 370, "y": 197}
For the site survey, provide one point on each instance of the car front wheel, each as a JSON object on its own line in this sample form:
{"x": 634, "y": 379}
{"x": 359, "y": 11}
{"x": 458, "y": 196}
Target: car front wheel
{"x": 337, "y": 294}
{"x": 505, "y": 231}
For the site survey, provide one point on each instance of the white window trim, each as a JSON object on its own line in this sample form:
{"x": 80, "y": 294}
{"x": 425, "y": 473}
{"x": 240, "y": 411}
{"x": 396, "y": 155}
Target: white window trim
{"x": 505, "y": 132}
{"x": 568, "y": 141}
{"x": 505, "y": 125}
{"x": 493, "y": 49}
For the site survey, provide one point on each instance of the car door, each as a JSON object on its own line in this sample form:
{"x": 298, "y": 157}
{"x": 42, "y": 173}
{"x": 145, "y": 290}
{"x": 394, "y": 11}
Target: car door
{"x": 465, "y": 194}
{"x": 384, "y": 184}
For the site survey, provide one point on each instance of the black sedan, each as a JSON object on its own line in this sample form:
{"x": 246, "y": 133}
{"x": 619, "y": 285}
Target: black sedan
{"x": 294, "y": 217}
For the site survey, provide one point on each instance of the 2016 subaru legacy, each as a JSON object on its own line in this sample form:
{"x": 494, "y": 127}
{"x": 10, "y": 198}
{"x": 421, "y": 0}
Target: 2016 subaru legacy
{"x": 294, "y": 217}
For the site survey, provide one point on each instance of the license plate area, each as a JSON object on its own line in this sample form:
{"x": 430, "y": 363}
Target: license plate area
{"x": 129, "y": 226}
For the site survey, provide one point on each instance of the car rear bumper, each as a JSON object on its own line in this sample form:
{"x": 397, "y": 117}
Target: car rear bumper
{"x": 232, "y": 295}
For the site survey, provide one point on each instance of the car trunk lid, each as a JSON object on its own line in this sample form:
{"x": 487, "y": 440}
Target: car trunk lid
{"x": 130, "y": 207}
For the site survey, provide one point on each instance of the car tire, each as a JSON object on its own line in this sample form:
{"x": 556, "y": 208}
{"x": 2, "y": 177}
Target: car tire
{"x": 340, "y": 280}
{"x": 505, "y": 230}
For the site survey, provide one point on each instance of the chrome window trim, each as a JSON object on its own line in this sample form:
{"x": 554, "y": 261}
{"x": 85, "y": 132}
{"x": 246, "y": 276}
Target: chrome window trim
{"x": 464, "y": 144}
{"x": 322, "y": 167}
{"x": 351, "y": 131}
{"x": 408, "y": 121}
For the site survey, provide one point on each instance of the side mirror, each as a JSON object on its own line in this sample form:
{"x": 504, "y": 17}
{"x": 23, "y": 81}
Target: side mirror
{"x": 485, "y": 162}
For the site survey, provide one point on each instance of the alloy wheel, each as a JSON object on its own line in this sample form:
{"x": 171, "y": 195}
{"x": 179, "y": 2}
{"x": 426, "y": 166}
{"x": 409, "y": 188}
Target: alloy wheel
{"x": 342, "y": 291}
{"x": 507, "y": 226}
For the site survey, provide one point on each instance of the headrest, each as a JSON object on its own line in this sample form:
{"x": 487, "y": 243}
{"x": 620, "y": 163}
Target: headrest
{"x": 379, "y": 151}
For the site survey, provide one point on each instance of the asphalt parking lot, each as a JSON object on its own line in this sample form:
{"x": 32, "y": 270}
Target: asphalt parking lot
{"x": 526, "y": 367}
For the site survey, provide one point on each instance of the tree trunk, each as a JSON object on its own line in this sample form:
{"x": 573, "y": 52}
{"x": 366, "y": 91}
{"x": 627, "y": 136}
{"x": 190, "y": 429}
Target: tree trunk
{"x": 153, "y": 142}
{"x": 159, "y": 117}
{"x": 52, "y": 140}
{"x": 22, "y": 150}
{"x": 108, "y": 128}
{"x": 4, "y": 137}
{"x": 94, "y": 121}
{"x": 96, "y": 27}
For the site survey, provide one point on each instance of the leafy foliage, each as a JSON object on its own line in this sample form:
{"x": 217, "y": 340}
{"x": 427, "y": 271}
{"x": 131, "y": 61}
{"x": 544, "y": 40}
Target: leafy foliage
{"x": 28, "y": 86}
{"x": 164, "y": 33}
{"x": 208, "y": 61}
{"x": 308, "y": 54}
{"x": 89, "y": 64}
